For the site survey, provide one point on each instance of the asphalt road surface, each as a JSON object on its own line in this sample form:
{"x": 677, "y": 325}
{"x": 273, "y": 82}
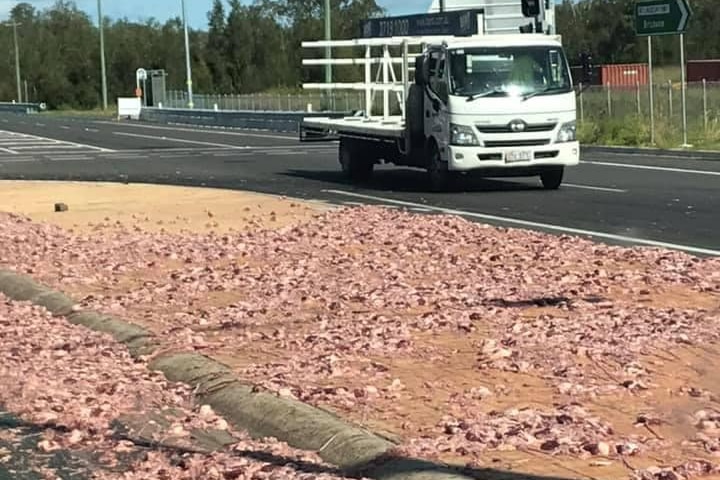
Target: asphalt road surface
{"x": 648, "y": 199}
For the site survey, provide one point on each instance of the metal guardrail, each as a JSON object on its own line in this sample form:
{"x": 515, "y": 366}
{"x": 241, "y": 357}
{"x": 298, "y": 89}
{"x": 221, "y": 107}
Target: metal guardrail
{"x": 22, "y": 107}
{"x": 268, "y": 120}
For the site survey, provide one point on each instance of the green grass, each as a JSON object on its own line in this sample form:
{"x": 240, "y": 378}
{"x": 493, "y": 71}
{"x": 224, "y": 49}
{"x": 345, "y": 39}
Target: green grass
{"x": 626, "y": 120}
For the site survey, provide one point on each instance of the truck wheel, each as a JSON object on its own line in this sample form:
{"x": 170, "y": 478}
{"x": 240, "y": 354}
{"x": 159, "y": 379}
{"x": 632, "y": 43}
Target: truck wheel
{"x": 414, "y": 116}
{"x": 552, "y": 177}
{"x": 439, "y": 177}
{"x": 353, "y": 166}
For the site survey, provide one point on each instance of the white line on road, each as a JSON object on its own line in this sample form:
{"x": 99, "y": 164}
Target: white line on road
{"x": 7, "y": 150}
{"x": 180, "y": 140}
{"x": 17, "y": 160}
{"x": 652, "y": 167}
{"x": 49, "y": 148}
{"x": 91, "y": 147}
{"x": 221, "y": 145}
{"x": 589, "y": 187}
{"x": 527, "y": 223}
{"x": 201, "y": 130}
{"x": 93, "y": 130}
{"x": 285, "y": 152}
{"x": 64, "y": 127}
{"x": 69, "y": 158}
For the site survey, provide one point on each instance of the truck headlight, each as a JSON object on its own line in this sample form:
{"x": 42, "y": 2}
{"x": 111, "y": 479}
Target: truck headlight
{"x": 568, "y": 132}
{"x": 462, "y": 135}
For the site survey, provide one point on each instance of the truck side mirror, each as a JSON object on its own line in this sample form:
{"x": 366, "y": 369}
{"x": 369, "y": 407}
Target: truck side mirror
{"x": 420, "y": 70}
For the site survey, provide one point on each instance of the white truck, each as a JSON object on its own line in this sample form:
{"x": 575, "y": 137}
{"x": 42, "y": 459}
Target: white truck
{"x": 493, "y": 105}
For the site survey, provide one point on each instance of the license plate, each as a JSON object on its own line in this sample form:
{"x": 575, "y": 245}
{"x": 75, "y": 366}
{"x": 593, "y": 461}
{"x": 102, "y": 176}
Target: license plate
{"x": 518, "y": 156}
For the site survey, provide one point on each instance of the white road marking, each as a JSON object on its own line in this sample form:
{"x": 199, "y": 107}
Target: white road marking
{"x": 7, "y": 150}
{"x": 653, "y": 154}
{"x": 22, "y": 137}
{"x": 232, "y": 154}
{"x": 39, "y": 124}
{"x": 201, "y": 130}
{"x": 285, "y": 153}
{"x": 527, "y": 223}
{"x": 93, "y": 130}
{"x": 123, "y": 155}
{"x": 64, "y": 127}
{"x": 284, "y": 149}
{"x": 180, "y": 140}
{"x": 653, "y": 167}
{"x": 17, "y": 160}
{"x": 589, "y": 187}
{"x": 68, "y": 158}
{"x": 49, "y": 148}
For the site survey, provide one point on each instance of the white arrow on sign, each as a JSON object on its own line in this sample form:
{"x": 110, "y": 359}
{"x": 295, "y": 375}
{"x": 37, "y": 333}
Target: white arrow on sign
{"x": 685, "y": 14}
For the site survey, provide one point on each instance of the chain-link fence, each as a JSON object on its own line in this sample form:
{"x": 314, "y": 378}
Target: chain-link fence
{"x": 338, "y": 101}
{"x": 702, "y": 101}
{"x": 603, "y": 111}
{"x": 629, "y": 107}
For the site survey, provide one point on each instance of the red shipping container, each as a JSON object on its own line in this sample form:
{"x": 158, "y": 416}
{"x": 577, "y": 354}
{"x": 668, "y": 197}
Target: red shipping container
{"x": 624, "y": 75}
{"x": 699, "y": 70}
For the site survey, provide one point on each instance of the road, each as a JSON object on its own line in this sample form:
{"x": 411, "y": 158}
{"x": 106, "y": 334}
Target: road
{"x": 640, "y": 199}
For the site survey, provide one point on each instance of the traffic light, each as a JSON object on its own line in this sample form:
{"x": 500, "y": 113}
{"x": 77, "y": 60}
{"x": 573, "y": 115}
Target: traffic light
{"x": 588, "y": 69}
{"x": 531, "y": 8}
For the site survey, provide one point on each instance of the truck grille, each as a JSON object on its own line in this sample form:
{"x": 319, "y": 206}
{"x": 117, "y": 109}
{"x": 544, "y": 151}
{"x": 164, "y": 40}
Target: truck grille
{"x": 515, "y": 143}
{"x": 536, "y": 127}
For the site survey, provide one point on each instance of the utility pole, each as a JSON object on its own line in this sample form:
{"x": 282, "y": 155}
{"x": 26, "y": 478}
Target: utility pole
{"x": 328, "y": 36}
{"x": 187, "y": 57}
{"x": 17, "y": 59}
{"x": 442, "y": 6}
{"x": 102, "y": 56}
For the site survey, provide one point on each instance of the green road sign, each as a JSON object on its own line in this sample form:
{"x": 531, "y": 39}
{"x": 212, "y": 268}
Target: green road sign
{"x": 661, "y": 17}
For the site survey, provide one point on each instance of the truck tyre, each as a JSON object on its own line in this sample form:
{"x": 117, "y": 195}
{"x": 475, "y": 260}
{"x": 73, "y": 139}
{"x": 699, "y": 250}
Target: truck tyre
{"x": 355, "y": 168}
{"x": 415, "y": 115}
{"x": 552, "y": 177}
{"x": 439, "y": 178}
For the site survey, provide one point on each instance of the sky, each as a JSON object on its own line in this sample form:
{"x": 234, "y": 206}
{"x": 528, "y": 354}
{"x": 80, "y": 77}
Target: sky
{"x": 197, "y": 9}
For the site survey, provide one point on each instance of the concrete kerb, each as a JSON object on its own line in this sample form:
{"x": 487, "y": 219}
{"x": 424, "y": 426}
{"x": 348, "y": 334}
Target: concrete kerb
{"x": 353, "y": 449}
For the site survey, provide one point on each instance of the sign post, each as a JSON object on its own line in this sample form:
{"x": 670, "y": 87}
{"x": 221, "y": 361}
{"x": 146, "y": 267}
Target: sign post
{"x": 665, "y": 17}
{"x": 652, "y": 91}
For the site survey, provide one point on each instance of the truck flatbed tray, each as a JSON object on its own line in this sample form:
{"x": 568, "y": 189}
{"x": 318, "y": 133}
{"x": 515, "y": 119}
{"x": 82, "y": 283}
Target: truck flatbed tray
{"x": 390, "y": 127}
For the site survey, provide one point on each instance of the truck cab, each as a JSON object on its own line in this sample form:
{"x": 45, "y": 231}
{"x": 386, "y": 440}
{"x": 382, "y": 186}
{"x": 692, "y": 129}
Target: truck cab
{"x": 500, "y": 105}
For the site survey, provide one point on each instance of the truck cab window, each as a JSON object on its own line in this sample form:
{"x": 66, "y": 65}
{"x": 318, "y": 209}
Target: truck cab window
{"x": 503, "y": 71}
{"x": 437, "y": 75}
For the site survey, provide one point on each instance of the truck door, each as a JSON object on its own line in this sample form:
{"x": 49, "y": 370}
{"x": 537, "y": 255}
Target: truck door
{"x": 436, "y": 104}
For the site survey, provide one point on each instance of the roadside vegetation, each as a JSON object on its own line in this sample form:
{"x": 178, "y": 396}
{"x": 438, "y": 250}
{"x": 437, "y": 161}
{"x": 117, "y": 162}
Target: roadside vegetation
{"x": 249, "y": 57}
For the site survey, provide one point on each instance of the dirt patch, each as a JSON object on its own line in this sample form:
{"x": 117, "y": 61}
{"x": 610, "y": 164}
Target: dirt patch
{"x": 532, "y": 353}
{"x": 93, "y": 207}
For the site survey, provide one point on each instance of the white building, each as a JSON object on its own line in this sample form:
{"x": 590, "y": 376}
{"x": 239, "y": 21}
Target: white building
{"x": 501, "y": 16}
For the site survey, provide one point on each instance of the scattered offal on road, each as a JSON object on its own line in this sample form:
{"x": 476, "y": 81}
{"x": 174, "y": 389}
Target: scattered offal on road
{"x": 491, "y": 347}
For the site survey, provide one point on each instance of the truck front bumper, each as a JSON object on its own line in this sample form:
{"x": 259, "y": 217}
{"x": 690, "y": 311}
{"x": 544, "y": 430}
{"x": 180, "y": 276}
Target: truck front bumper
{"x": 513, "y": 160}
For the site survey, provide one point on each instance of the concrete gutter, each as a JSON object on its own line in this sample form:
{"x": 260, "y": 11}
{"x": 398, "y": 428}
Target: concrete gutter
{"x": 352, "y": 448}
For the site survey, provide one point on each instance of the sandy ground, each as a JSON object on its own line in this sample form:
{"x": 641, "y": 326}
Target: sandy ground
{"x": 386, "y": 326}
{"x": 152, "y": 208}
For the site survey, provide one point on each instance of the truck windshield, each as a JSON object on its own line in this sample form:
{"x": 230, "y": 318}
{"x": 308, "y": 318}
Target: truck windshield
{"x": 509, "y": 71}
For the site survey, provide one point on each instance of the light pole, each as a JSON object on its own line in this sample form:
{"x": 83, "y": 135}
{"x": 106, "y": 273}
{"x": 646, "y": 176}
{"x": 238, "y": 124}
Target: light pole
{"x": 17, "y": 58}
{"x": 102, "y": 56}
{"x": 328, "y": 36}
{"x": 187, "y": 57}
